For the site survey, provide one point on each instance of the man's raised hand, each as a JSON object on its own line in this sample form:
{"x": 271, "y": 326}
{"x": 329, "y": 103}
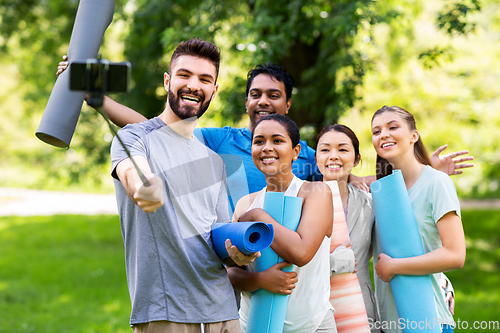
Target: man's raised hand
{"x": 63, "y": 65}
{"x": 448, "y": 163}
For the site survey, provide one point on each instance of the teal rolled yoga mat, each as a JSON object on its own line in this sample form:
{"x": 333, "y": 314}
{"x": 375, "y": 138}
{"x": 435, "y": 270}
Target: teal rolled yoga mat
{"x": 400, "y": 238}
{"x": 267, "y": 310}
{"x": 248, "y": 237}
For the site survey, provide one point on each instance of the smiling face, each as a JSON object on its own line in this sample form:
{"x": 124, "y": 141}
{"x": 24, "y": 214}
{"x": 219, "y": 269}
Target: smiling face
{"x": 191, "y": 86}
{"x": 266, "y": 96}
{"x": 392, "y": 138}
{"x": 336, "y": 156}
{"x": 272, "y": 148}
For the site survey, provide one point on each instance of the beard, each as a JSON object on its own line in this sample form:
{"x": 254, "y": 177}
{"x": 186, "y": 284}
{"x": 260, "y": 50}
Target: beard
{"x": 187, "y": 111}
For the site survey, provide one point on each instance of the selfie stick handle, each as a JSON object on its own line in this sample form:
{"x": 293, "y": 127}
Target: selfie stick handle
{"x": 113, "y": 130}
{"x": 96, "y": 100}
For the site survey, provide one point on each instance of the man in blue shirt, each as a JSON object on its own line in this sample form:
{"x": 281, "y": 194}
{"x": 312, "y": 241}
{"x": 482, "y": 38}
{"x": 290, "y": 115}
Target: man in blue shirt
{"x": 269, "y": 90}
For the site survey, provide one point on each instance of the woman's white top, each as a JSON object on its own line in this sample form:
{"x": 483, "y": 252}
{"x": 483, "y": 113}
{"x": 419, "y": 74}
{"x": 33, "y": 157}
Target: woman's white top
{"x": 309, "y": 301}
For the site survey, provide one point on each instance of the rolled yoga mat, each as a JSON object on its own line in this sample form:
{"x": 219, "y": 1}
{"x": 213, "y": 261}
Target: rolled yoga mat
{"x": 248, "y": 237}
{"x": 63, "y": 108}
{"x": 400, "y": 238}
{"x": 345, "y": 291}
{"x": 267, "y": 310}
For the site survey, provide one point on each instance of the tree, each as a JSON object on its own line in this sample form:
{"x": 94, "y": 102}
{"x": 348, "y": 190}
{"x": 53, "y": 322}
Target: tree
{"x": 324, "y": 44}
{"x": 33, "y": 36}
{"x": 312, "y": 40}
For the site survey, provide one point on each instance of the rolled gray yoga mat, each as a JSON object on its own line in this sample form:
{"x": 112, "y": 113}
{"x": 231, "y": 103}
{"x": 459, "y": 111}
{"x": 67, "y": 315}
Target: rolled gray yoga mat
{"x": 63, "y": 108}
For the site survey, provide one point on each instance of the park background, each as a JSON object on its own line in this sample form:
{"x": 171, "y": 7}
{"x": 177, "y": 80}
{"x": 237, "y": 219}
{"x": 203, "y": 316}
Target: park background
{"x": 437, "y": 59}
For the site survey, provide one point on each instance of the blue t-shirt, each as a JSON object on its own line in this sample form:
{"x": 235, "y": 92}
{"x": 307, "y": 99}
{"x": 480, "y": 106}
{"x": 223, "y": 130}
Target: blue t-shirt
{"x": 234, "y": 147}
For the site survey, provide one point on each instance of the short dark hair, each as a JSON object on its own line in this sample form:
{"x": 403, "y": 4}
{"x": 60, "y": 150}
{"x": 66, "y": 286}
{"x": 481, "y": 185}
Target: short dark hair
{"x": 290, "y": 126}
{"x": 274, "y": 71}
{"x": 198, "y": 48}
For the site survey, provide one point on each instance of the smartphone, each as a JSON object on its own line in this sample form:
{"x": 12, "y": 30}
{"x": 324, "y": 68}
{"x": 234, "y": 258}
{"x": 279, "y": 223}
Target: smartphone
{"x": 99, "y": 75}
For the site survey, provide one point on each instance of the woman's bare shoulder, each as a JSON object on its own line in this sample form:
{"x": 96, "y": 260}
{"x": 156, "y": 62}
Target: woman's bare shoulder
{"x": 315, "y": 189}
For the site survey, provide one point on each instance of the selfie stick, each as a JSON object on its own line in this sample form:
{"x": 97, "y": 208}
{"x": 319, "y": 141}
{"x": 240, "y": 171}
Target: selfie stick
{"x": 96, "y": 99}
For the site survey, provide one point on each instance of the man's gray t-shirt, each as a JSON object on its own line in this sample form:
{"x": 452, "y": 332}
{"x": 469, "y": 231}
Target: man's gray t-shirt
{"x": 173, "y": 272}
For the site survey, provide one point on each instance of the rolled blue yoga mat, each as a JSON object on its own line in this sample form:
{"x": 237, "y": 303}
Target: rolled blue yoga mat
{"x": 248, "y": 237}
{"x": 267, "y": 310}
{"x": 400, "y": 238}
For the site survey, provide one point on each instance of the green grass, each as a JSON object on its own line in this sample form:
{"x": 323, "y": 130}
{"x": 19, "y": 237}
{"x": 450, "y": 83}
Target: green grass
{"x": 66, "y": 273}
{"x": 477, "y": 284}
{"x": 62, "y": 273}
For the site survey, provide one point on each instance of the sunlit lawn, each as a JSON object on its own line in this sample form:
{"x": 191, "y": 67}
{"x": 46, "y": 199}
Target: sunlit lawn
{"x": 67, "y": 274}
{"x": 477, "y": 285}
{"x": 62, "y": 274}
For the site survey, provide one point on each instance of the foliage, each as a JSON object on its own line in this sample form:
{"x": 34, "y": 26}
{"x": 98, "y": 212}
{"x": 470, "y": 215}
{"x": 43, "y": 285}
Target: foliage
{"x": 454, "y": 20}
{"x": 31, "y": 34}
{"x": 436, "y": 56}
{"x": 34, "y": 35}
{"x": 313, "y": 41}
{"x": 454, "y": 100}
{"x": 317, "y": 42}
{"x": 453, "y": 17}
{"x": 346, "y": 57}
